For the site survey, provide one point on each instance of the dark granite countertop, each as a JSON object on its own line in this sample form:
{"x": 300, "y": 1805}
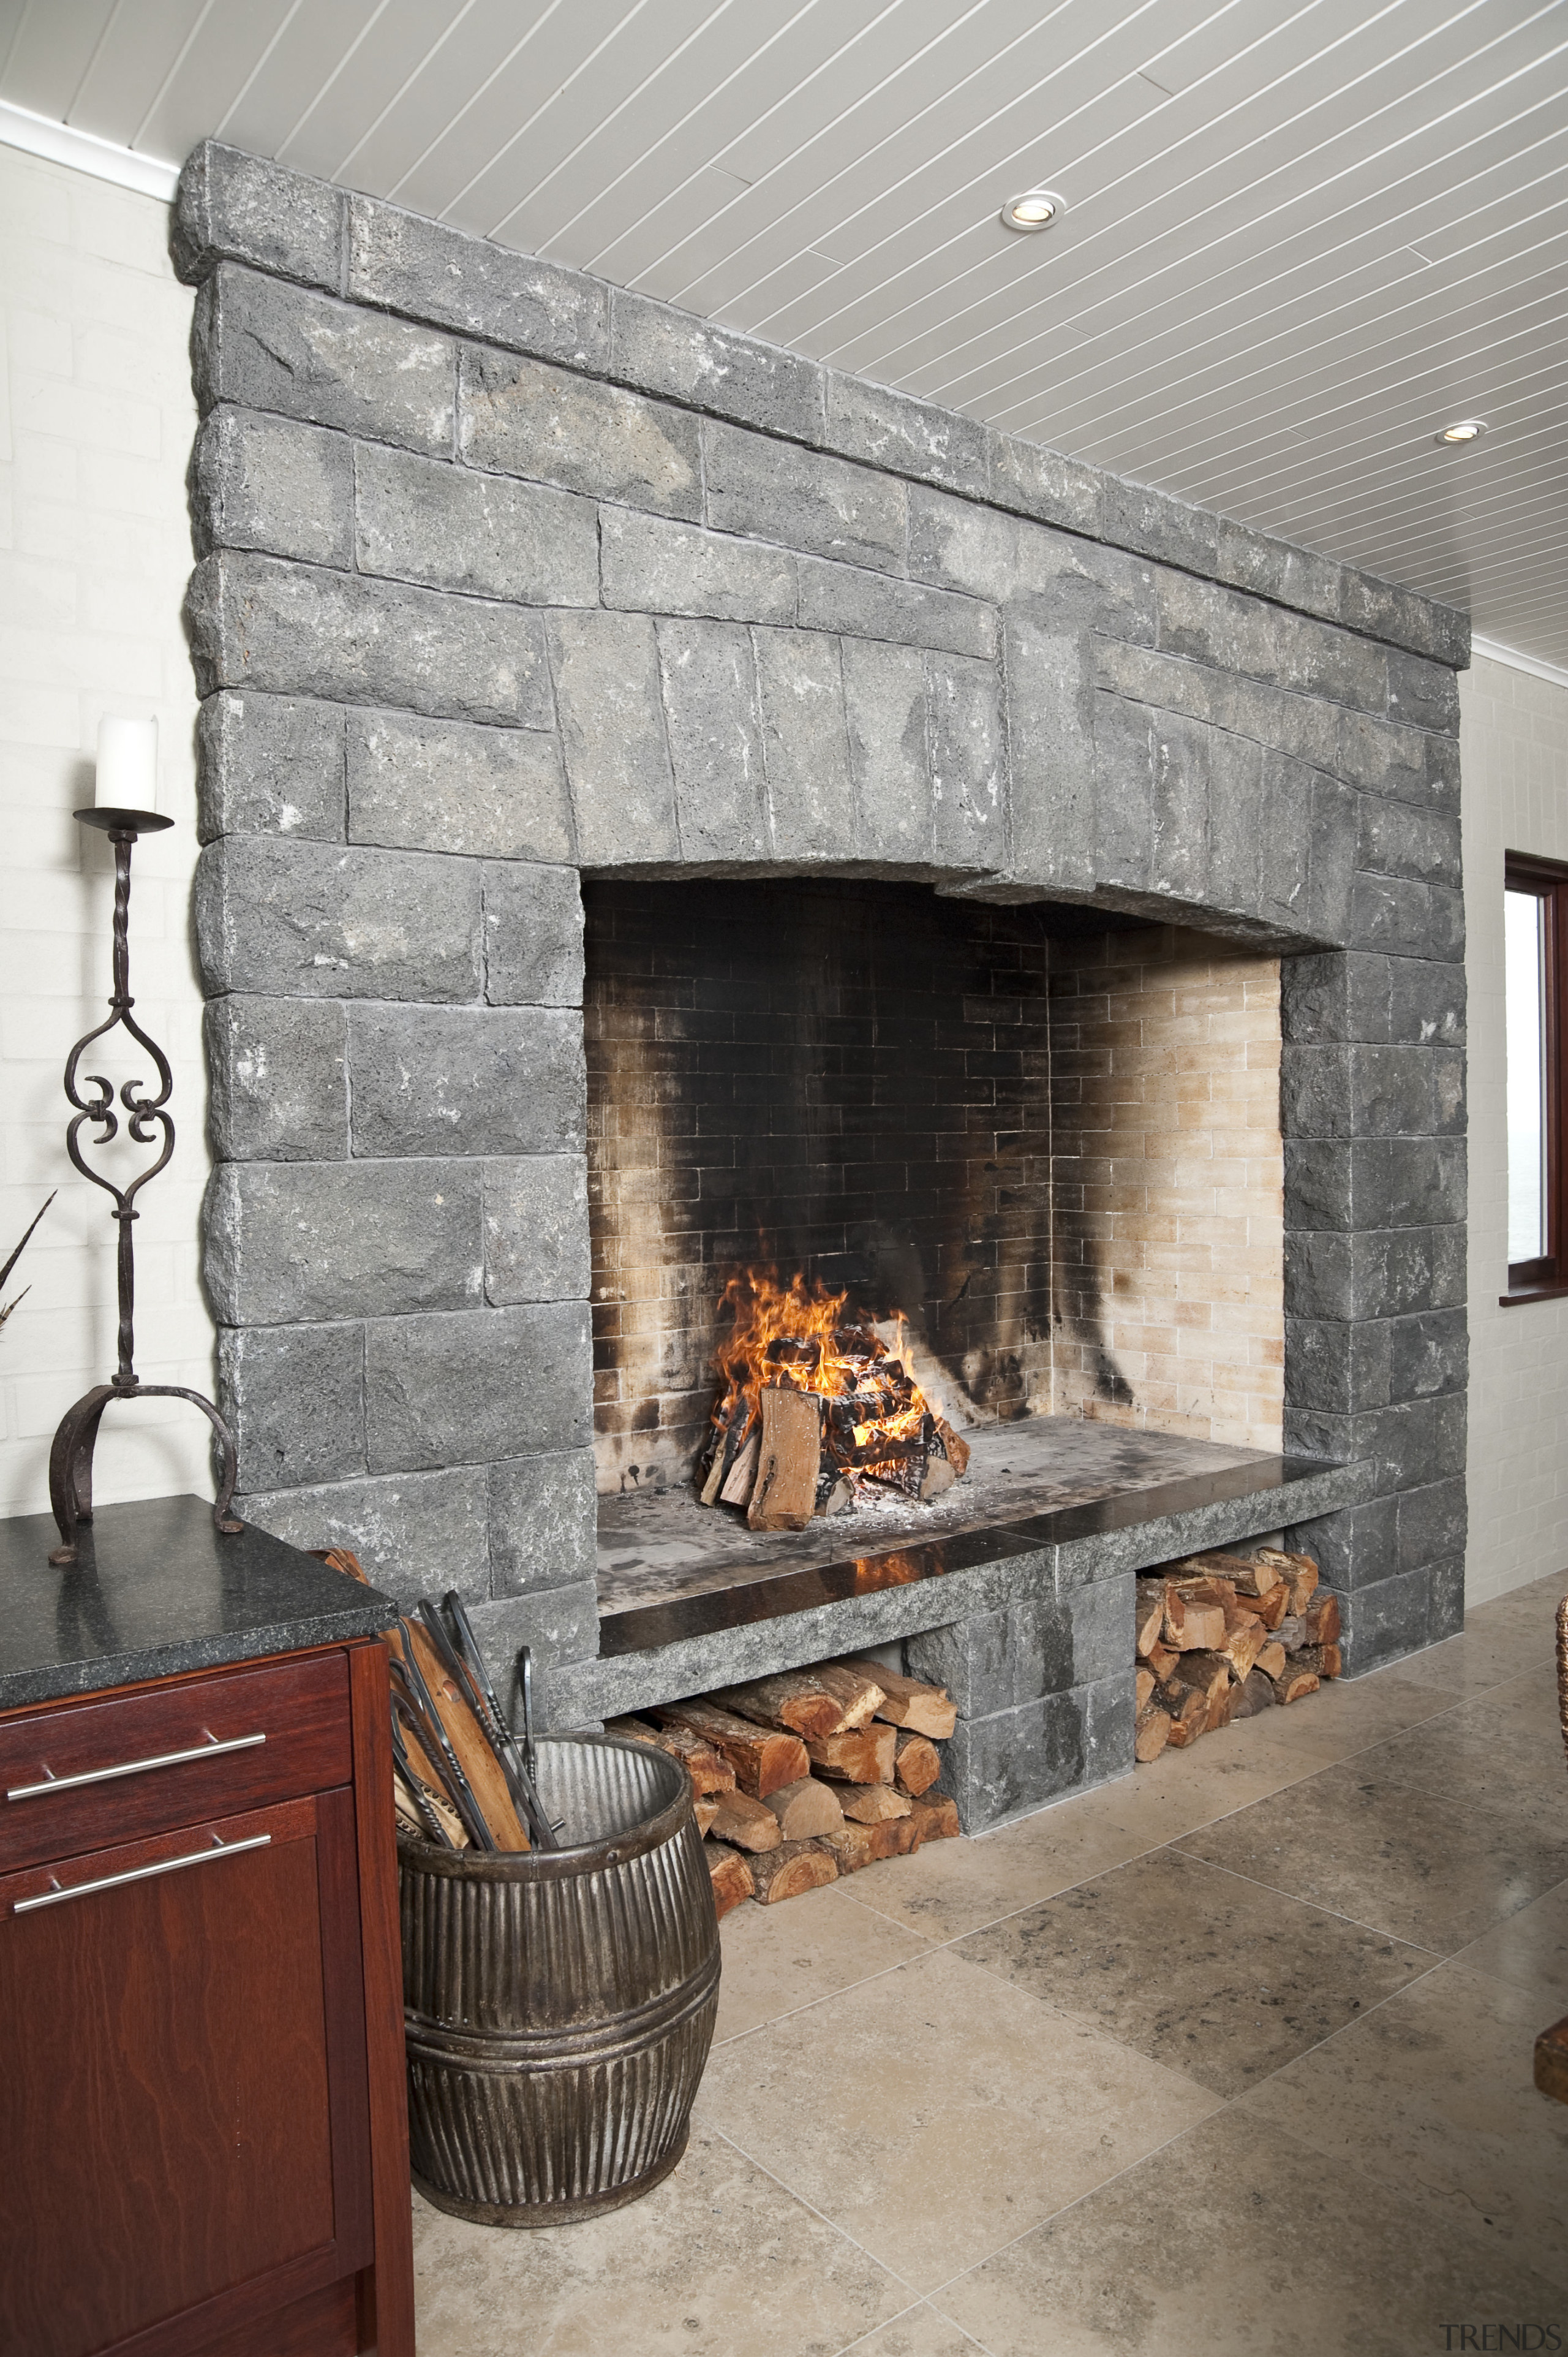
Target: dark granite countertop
{"x": 157, "y": 1591}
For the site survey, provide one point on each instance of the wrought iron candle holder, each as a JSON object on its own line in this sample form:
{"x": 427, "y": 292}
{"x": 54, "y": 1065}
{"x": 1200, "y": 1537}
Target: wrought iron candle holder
{"x": 148, "y": 1123}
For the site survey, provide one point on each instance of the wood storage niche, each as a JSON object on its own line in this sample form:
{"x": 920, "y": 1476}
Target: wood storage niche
{"x": 559, "y": 2005}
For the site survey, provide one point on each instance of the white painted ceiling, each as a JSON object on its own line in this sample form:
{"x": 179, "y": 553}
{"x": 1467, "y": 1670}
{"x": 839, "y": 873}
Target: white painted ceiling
{"x": 1298, "y": 238}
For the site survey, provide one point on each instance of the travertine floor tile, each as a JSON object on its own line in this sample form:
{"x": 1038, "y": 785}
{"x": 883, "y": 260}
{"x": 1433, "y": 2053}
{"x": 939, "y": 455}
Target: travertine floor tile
{"x": 1237, "y": 2240}
{"x": 1211, "y": 1976}
{"x": 1424, "y": 1868}
{"x": 1481, "y": 1658}
{"x": 938, "y": 2112}
{"x": 919, "y": 2332}
{"x": 1529, "y": 1950}
{"x": 717, "y": 2262}
{"x": 1498, "y": 1752}
{"x": 1433, "y": 2091}
{"x": 777, "y": 1959}
{"x": 1343, "y": 1718}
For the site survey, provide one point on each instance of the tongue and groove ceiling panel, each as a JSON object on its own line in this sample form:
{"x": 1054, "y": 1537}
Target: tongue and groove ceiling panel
{"x": 1298, "y": 239}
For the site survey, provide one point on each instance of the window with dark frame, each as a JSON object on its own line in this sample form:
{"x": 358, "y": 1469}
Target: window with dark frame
{"x": 1535, "y": 936}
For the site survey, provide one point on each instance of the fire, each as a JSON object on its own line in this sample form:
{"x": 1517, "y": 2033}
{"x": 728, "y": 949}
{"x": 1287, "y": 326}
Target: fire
{"x": 877, "y": 1426}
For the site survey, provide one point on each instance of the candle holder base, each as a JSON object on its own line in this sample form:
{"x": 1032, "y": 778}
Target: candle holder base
{"x": 70, "y": 1459}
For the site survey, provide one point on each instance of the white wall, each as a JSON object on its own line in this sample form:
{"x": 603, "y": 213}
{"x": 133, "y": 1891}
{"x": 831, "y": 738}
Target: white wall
{"x": 1514, "y": 749}
{"x": 96, "y": 420}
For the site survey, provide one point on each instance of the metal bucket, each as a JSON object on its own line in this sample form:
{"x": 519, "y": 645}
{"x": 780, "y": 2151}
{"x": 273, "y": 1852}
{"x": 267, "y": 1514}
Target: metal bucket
{"x": 559, "y": 2004}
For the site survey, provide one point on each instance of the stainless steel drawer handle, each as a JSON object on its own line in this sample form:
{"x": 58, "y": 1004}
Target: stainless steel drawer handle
{"x": 207, "y": 1750}
{"x": 56, "y": 1896}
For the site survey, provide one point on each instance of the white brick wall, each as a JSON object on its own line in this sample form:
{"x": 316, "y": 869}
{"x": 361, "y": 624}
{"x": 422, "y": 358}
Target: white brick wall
{"x": 96, "y": 420}
{"x": 1514, "y": 746}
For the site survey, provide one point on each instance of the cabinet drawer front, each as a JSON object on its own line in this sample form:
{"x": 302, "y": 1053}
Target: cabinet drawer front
{"x": 82, "y": 1774}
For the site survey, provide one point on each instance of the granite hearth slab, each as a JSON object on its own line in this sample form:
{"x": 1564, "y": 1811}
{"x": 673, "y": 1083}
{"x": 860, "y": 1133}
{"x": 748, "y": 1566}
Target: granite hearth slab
{"x": 775, "y": 1615}
{"x": 156, "y": 1592}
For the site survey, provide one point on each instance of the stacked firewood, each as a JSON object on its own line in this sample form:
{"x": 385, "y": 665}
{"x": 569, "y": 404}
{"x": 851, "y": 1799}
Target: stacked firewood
{"x": 1221, "y": 1636}
{"x": 801, "y": 1778}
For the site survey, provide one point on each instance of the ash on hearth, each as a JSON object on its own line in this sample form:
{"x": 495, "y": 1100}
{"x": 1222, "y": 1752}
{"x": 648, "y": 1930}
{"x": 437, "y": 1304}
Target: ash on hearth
{"x": 815, "y": 1408}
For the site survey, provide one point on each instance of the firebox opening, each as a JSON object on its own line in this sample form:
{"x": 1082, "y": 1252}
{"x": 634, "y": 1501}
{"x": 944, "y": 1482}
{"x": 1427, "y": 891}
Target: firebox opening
{"x": 1046, "y": 1138}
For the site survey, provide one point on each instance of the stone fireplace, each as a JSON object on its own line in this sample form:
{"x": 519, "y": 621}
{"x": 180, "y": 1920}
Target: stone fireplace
{"x": 996, "y": 841}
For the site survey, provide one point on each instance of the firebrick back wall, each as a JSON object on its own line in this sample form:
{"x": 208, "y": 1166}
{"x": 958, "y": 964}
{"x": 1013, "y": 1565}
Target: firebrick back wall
{"x": 507, "y": 576}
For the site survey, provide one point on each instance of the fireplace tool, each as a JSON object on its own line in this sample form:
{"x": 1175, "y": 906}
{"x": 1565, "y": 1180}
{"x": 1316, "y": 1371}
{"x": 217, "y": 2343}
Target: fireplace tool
{"x": 148, "y": 1123}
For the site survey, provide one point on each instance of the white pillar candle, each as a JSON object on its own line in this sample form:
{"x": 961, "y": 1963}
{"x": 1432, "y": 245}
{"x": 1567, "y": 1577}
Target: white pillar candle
{"x": 128, "y": 764}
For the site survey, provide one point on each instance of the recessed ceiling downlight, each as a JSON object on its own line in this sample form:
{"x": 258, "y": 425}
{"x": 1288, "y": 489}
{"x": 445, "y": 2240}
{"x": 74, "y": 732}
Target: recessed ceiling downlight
{"x": 1036, "y": 209}
{"x": 1464, "y": 429}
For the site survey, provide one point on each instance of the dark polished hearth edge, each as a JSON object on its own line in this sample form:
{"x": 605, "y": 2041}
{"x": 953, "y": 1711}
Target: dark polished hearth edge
{"x": 658, "y": 1652}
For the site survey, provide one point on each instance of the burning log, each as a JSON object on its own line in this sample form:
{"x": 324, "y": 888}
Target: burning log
{"x": 786, "y": 1347}
{"x": 790, "y": 1452}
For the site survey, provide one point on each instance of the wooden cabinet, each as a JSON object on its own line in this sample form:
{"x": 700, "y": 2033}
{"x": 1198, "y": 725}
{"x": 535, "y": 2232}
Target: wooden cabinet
{"x": 201, "y": 2101}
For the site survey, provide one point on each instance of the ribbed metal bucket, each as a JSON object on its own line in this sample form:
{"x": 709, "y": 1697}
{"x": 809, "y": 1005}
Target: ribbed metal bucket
{"x": 559, "y": 2005}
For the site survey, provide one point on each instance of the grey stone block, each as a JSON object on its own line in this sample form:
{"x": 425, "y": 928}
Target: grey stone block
{"x": 1383, "y": 1622}
{"x": 1125, "y": 739}
{"x": 255, "y": 621}
{"x": 956, "y": 544}
{"x": 269, "y": 765}
{"x": 1399, "y": 839}
{"x": 264, "y": 345}
{"x": 1053, "y": 757}
{"x": 474, "y": 1386}
{"x": 1357, "y": 1547}
{"x": 533, "y": 936}
{"x": 404, "y": 263}
{"x": 1427, "y": 1354}
{"x": 1411, "y": 1445}
{"x": 1443, "y": 783}
{"x": 1304, "y": 870}
{"x": 1337, "y": 1368}
{"x": 301, "y": 1243}
{"x": 415, "y": 1533}
{"x": 556, "y": 1624}
{"x": 1152, "y": 523}
{"x": 695, "y": 360}
{"x": 295, "y": 1399}
{"x": 1381, "y": 1273}
{"x": 1366, "y": 1090}
{"x": 471, "y": 1080}
{"x": 1103, "y": 1613}
{"x": 1445, "y": 1598}
{"x": 1212, "y": 624}
{"x": 1433, "y": 1522}
{"x": 607, "y": 693}
{"x": 1339, "y": 996}
{"x": 1406, "y": 919}
{"x": 268, "y": 483}
{"x": 1276, "y": 568}
{"x": 880, "y": 606}
{"x": 805, "y": 741}
{"x": 972, "y": 1658}
{"x": 1045, "y": 485}
{"x": 1385, "y": 610}
{"x": 523, "y": 418}
{"x": 488, "y": 535}
{"x": 416, "y": 784}
{"x": 968, "y": 756}
{"x": 234, "y": 207}
{"x": 1388, "y": 759}
{"x": 544, "y": 1523}
{"x": 905, "y": 436}
{"x": 313, "y": 921}
{"x": 1017, "y": 1759}
{"x": 1424, "y": 694}
{"x": 1373, "y": 1183}
{"x": 884, "y": 704}
{"x": 803, "y": 499}
{"x": 1248, "y": 709}
{"x": 1427, "y": 1001}
{"x": 709, "y": 679}
{"x": 278, "y": 1080}
{"x": 653, "y": 564}
{"x": 536, "y": 1230}
{"x": 1331, "y": 877}
{"x": 1241, "y": 844}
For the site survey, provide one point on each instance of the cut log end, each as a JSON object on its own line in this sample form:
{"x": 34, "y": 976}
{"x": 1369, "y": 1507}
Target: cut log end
{"x": 731, "y": 1877}
{"x": 792, "y": 1868}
